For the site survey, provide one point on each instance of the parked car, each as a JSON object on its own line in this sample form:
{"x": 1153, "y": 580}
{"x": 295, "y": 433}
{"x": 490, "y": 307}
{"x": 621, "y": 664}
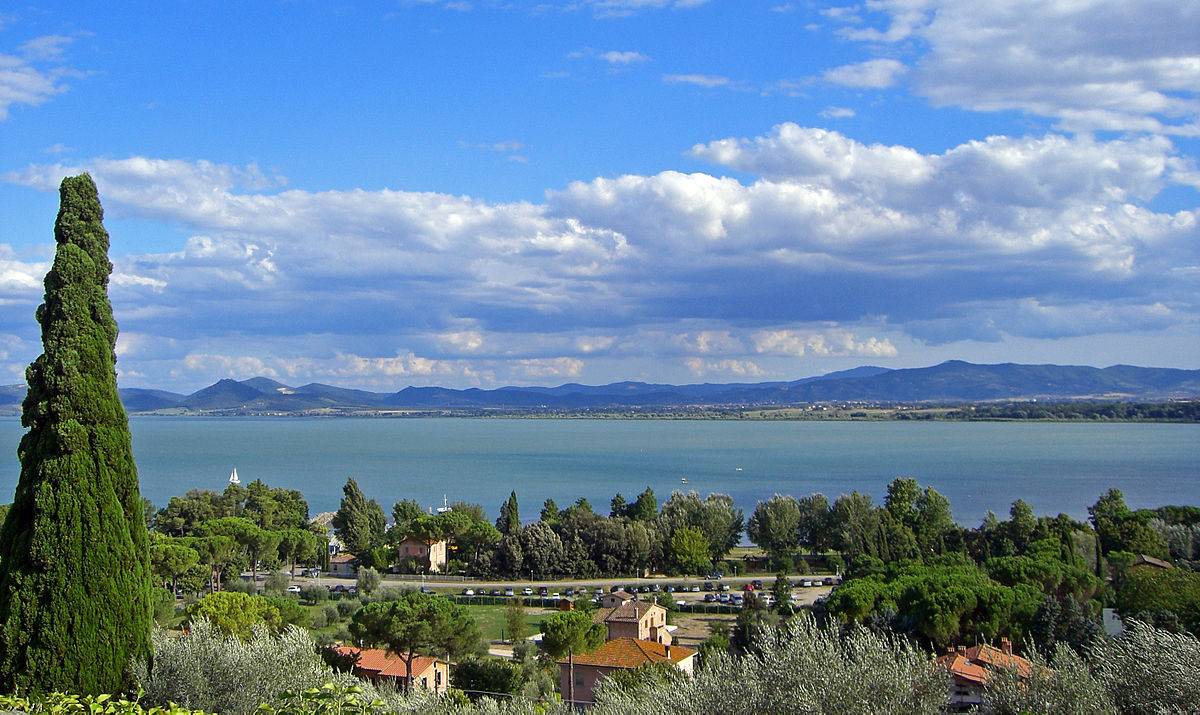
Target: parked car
{"x": 695, "y": 588}
{"x": 555, "y": 596}
{"x": 709, "y": 598}
{"x": 708, "y": 585}
{"x": 737, "y": 600}
{"x": 495, "y": 592}
{"x": 543, "y": 591}
{"x": 468, "y": 592}
{"x": 426, "y": 589}
{"x": 598, "y": 592}
{"x": 757, "y": 584}
{"x": 724, "y": 587}
{"x": 508, "y": 591}
{"x": 293, "y": 589}
{"x": 714, "y": 575}
{"x": 570, "y": 591}
{"x": 528, "y": 591}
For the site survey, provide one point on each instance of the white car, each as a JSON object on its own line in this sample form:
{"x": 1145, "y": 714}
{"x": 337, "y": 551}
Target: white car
{"x": 293, "y": 589}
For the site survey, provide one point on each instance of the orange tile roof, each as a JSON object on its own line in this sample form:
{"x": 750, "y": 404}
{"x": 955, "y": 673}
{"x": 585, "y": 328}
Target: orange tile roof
{"x": 961, "y": 667}
{"x": 998, "y": 659}
{"x": 631, "y": 653}
{"x": 377, "y": 663}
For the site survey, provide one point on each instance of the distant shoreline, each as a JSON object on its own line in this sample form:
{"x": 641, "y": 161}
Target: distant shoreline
{"x": 1173, "y": 412}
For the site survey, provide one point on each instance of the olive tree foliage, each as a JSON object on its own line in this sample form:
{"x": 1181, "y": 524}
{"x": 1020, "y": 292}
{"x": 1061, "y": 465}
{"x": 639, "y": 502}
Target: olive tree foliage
{"x": 800, "y": 668}
{"x": 1144, "y": 670}
{"x": 1063, "y": 686}
{"x": 211, "y": 671}
{"x": 74, "y": 558}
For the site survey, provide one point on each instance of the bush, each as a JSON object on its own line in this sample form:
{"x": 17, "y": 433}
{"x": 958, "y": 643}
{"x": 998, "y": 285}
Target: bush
{"x": 318, "y": 620}
{"x": 290, "y": 610}
{"x": 331, "y": 614}
{"x": 346, "y": 607}
{"x": 801, "y": 668}
{"x": 240, "y": 585}
{"x": 235, "y": 613}
{"x": 211, "y": 671}
{"x": 314, "y": 594}
{"x": 368, "y": 580}
{"x": 276, "y": 581}
{"x": 163, "y": 602}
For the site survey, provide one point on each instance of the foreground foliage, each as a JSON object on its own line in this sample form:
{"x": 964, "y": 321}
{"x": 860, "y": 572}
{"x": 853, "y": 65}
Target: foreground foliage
{"x": 75, "y": 575}
{"x": 801, "y": 668}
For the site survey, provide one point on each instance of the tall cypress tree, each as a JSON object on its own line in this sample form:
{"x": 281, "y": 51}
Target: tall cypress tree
{"x": 74, "y": 563}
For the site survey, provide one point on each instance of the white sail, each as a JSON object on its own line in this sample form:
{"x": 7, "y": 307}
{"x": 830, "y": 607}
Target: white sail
{"x": 233, "y": 478}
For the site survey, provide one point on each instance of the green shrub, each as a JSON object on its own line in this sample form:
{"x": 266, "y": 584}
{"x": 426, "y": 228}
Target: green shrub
{"x": 276, "y": 581}
{"x": 331, "y": 614}
{"x": 313, "y": 594}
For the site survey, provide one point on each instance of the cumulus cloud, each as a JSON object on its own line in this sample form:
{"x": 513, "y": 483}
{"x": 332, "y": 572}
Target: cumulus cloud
{"x": 727, "y": 368}
{"x": 838, "y": 250}
{"x": 34, "y": 75}
{"x": 827, "y": 343}
{"x": 1090, "y": 64}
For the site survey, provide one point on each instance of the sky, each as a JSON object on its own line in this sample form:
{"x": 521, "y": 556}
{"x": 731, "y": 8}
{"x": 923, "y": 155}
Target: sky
{"x": 478, "y": 193}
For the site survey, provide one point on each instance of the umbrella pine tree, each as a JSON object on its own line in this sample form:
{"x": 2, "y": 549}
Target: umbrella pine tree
{"x": 74, "y": 562}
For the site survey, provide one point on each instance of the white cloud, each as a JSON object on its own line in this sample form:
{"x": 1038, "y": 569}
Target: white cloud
{"x": 31, "y": 77}
{"x": 827, "y": 343}
{"x": 702, "y": 80}
{"x": 623, "y": 58}
{"x": 872, "y": 74}
{"x": 1090, "y": 64}
{"x": 839, "y": 250}
{"x": 837, "y": 112}
{"x": 728, "y": 368}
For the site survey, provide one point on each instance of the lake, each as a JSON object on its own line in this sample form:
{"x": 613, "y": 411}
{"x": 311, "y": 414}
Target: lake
{"x": 1056, "y": 467}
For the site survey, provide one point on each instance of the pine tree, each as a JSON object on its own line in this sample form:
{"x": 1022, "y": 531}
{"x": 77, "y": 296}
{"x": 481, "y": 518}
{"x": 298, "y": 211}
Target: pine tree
{"x": 359, "y": 522}
{"x": 74, "y": 562}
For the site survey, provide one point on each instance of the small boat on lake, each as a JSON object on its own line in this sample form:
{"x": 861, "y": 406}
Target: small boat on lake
{"x": 233, "y": 478}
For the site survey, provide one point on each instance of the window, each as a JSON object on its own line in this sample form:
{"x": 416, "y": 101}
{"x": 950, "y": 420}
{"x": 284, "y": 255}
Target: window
{"x": 437, "y": 678}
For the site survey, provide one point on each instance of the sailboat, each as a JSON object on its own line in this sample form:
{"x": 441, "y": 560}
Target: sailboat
{"x": 444, "y": 507}
{"x": 233, "y": 478}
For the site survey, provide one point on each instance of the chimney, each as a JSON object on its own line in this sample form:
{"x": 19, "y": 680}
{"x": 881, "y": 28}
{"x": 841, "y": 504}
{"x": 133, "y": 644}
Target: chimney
{"x": 962, "y": 649}
{"x": 1006, "y": 646}
{"x": 668, "y": 647}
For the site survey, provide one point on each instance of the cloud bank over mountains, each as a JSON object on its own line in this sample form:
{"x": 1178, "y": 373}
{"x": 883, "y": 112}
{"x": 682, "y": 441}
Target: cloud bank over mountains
{"x": 798, "y": 243}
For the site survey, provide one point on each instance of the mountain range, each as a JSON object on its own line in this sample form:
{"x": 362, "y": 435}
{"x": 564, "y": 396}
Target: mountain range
{"x": 950, "y": 382}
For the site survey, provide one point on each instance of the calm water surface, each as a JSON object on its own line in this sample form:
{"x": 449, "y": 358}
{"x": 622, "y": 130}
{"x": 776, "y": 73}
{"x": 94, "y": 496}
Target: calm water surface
{"x": 979, "y": 466}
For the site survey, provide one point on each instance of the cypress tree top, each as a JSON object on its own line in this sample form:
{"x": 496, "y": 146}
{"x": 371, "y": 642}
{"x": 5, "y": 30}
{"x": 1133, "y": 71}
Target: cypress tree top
{"x": 74, "y": 563}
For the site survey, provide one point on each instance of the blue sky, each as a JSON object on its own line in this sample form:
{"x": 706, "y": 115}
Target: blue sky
{"x": 478, "y": 193}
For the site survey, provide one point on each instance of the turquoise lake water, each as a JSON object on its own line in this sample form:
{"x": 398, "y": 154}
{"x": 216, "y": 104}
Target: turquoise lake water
{"x": 1056, "y": 467}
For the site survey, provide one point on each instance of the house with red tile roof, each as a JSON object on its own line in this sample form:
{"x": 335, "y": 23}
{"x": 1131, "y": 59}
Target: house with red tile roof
{"x": 971, "y": 667}
{"x": 619, "y": 654}
{"x": 379, "y": 666}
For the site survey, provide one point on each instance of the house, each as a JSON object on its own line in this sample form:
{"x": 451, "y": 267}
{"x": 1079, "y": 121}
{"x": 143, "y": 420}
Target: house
{"x": 1145, "y": 560}
{"x": 379, "y": 666}
{"x": 343, "y": 565}
{"x": 971, "y": 667}
{"x": 429, "y": 557}
{"x": 634, "y": 619}
{"x": 619, "y": 654}
{"x": 615, "y": 598}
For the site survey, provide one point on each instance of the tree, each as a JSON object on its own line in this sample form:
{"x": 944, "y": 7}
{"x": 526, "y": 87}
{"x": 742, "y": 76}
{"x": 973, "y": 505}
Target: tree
{"x": 479, "y": 677}
{"x": 170, "y": 560}
{"x": 514, "y": 620}
{"x": 74, "y": 558}
{"x": 416, "y": 623}
{"x": 645, "y": 508}
{"x": 773, "y": 527}
{"x": 509, "y": 521}
{"x": 567, "y": 633}
{"x": 359, "y": 522}
{"x": 689, "y": 551}
{"x": 404, "y": 512}
{"x": 235, "y": 613}
{"x": 541, "y": 549}
{"x": 814, "y": 530}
